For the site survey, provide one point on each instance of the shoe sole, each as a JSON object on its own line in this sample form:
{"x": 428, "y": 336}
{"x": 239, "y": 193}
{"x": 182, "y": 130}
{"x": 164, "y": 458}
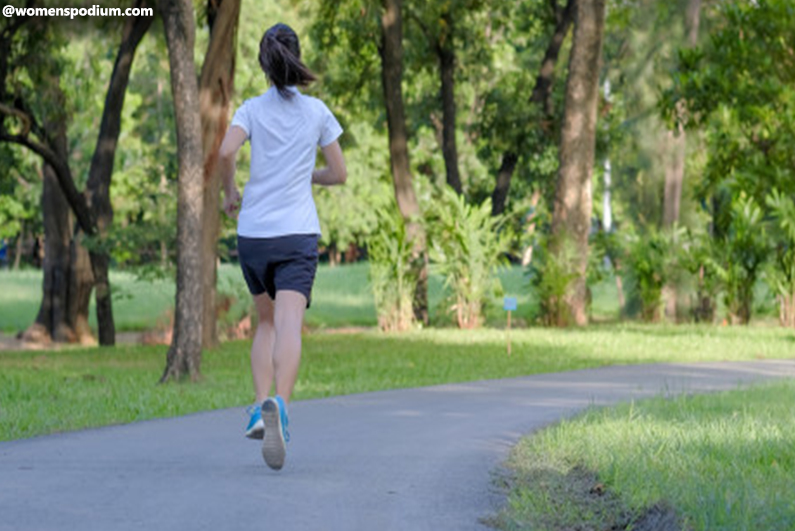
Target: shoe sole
{"x": 273, "y": 447}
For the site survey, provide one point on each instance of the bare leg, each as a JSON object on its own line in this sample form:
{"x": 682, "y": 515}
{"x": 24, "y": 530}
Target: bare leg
{"x": 288, "y": 319}
{"x": 262, "y": 348}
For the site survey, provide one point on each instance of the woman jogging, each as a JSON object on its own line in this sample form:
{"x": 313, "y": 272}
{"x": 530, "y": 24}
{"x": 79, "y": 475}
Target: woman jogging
{"x": 278, "y": 226}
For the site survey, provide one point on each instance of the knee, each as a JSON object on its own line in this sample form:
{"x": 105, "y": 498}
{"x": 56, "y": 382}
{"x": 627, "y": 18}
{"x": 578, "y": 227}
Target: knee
{"x": 266, "y": 320}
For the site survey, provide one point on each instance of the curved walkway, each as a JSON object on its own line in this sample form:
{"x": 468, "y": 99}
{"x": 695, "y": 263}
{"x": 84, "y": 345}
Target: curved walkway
{"x": 395, "y": 460}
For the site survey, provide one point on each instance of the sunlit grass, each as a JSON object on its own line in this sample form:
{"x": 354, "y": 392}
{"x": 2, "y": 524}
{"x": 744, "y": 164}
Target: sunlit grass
{"x": 341, "y": 298}
{"x": 722, "y": 461}
{"x": 94, "y": 387}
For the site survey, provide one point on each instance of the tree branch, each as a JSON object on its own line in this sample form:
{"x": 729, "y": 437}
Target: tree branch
{"x": 23, "y": 116}
{"x": 75, "y": 199}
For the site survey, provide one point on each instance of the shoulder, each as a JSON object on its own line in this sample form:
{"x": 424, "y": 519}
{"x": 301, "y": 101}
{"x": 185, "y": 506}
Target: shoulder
{"x": 316, "y": 104}
{"x": 256, "y": 101}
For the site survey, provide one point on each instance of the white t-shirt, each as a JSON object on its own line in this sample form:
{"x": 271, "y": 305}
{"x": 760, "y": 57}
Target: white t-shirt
{"x": 284, "y": 136}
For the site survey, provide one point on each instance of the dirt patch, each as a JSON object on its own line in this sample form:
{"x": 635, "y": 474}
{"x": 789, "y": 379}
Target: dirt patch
{"x": 544, "y": 498}
{"x": 660, "y": 517}
{"x": 15, "y": 342}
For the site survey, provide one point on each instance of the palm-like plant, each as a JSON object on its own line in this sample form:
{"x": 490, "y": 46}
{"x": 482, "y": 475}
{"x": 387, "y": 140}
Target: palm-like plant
{"x": 468, "y": 246}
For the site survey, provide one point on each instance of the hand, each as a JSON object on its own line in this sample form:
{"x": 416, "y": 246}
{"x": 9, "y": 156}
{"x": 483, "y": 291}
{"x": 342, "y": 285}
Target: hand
{"x": 232, "y": 203}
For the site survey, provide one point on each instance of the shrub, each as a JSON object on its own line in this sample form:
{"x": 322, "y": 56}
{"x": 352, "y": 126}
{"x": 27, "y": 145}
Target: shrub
{"x": 781, "y": 273}
{"x": 468, "y": 245}
{"x": 744, "y": 250}
{"x": 698, "y": 257}
{"x": 650, "y": 260}
{"x": 551, "y": 275}
{"x": 391, "y": 276}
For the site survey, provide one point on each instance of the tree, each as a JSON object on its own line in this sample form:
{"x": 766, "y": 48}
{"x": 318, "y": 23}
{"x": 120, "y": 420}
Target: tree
{"x": 184, "y": 355}
{"x": 216, "y": 85}
{"x": 35, "y": 119}
{"x": 571, "y": 219}
{"x": 391, "y": 53}
{"x": 738, "y": 88}
{"x": 675, "y": 169}
{"x": 541, "y": 96}
{"x": 675, "y": 172}
{"x": 63, "y": 314}
{"x": 101, "y": 170}
{"x": 441, "y": 37}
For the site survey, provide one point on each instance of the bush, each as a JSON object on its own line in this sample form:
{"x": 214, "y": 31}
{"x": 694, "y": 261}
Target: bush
{"x": 467, "y": 247}
{"x": 744, "y": 250}
{"x": 698, "y": 257}
{"x": 551, "y": 275}
{"x": 650, "y": 260}
{"x": 391, "y": 276}
{"x": 781, "y": 273}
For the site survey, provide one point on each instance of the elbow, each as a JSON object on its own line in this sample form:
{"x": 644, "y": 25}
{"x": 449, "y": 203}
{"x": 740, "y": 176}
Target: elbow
{"x": 342, "y": 176}
{"x": 226, "y": 155}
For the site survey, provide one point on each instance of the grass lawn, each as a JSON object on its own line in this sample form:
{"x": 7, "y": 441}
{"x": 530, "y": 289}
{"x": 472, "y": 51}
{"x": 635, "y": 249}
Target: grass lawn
{"x": 94, "y": 387}
{"x": 720, "y": 461}
{"x": 341, "y": 298}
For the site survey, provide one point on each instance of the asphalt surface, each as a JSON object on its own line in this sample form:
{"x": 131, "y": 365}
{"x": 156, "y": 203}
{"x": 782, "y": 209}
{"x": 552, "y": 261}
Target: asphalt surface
{"x": 397, "y": 460}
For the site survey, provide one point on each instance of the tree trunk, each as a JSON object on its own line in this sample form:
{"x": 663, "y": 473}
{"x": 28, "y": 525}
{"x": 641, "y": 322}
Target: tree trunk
{"x": 571, "y": 219}
{"x": 81, "y": 283}
{"x": 446, "y": 52}
{"x": 18, "y": 248}
{"x": 675, "y": 164}
{"x": 500, "y": 193}
{"x": 51, "y": 322}
{"x": 215, "y": 91}
{"x": 392, "y": 75}
{"x": 63, "y": 314}
{"x": 184, "y": 355}
{"x": 541, "y": 95}
{"x": 101, "y": 170}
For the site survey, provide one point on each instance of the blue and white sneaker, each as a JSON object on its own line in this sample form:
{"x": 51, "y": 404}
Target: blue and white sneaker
{"x": 256, "y": 427}
{"x": 274, "y": 415}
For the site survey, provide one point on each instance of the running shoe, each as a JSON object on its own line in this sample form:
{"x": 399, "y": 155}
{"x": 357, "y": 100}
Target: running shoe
{"x": 273, "y": 445}
{"x": 256, "y": 427}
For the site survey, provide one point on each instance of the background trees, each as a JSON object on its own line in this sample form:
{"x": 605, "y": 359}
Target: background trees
{"x": 481, "y": 97}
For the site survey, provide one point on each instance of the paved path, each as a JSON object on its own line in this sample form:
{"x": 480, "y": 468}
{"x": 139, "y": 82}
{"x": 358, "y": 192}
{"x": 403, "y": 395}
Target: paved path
{"x": 397, "y": 460}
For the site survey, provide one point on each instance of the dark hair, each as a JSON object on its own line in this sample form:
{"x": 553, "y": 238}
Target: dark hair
{"x": 280, "y": 59}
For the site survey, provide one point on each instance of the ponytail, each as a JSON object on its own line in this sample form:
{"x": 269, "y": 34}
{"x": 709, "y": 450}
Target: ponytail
{"x": 280, "y": 59}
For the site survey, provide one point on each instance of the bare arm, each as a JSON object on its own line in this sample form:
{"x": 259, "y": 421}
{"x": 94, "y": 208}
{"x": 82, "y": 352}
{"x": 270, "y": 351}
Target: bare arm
{"x": 335, "y": 171}
{"x": 235, "y": 137}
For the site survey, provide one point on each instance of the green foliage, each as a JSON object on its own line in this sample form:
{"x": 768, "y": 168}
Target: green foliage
{"x": 781, "y": 275}
{"x": 650, "y": 260}
{"x": 551, "y": 276}
{"x": 731, "y": 262}
{"x": 467, "y": 246}
{"x": 744, "y": 251}
{"x": 20, "y": 191}
{"x": 740, "y": 88}
{"x": 640, "y": 50}
{"x": 700, "y": 257}
{"x": 392, "y": 278}
{"x": 348, "y": 214}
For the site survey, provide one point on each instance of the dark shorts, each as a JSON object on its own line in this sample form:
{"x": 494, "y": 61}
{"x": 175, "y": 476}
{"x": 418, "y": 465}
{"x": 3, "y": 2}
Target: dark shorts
{"x": 277, "y": 264}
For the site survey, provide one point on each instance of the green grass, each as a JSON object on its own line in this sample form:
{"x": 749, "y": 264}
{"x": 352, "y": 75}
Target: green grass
{"x": 720, "y": 461}
{"x": 95, "y": 387}
{"x": 341, "y": 298}
{"x": 137, "y": 305}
